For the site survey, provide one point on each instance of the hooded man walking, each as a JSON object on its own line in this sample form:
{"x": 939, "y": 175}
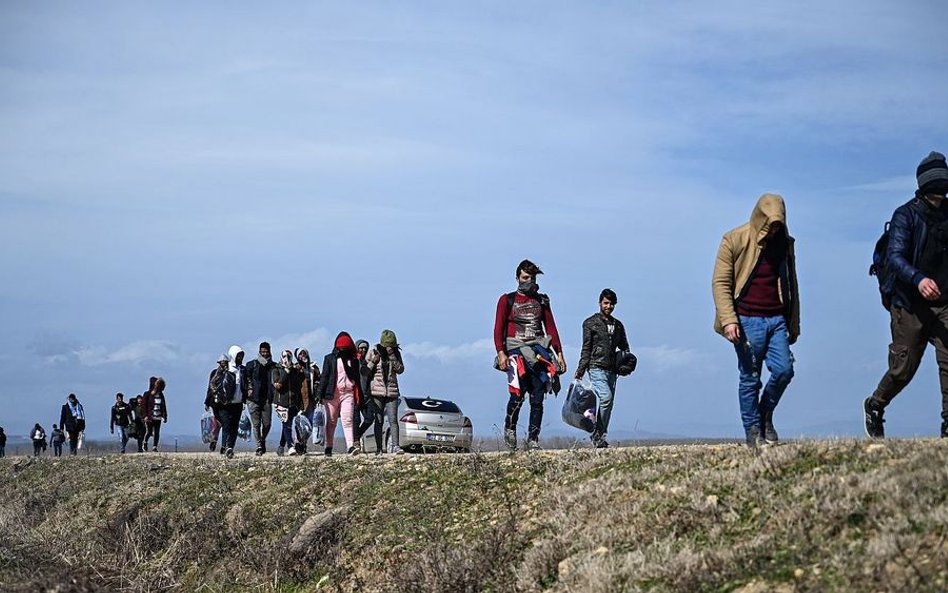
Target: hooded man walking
{"x": 235, "y": 386}
{"x": 757, "y": 308}
{"x": 917, "y": 288}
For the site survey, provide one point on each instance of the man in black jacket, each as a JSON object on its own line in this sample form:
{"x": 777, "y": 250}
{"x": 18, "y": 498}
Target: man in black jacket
{"x": 260, "y": 398}
{"x": 603, "y": 337}
{"x": 917, "y": 262}
{"x": 121, "y": 418}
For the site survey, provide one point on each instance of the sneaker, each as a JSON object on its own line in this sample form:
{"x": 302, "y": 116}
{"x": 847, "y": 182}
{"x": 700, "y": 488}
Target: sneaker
{"x": 145, "y": 448}
{"x": 154, "y": 449}
{"x": 510, "y": 438}
{"x": 355, "y": 449}
{"x": 752, "y": 437}
{"x": 280, "y": 451}
{"x": 213, "y": 446}
{"x": 224, "y": 450}
{"x": 292, "y": 451}
{"x": 533, "y": 445}
{"x": 770, "y": 433}
{"x": 259, "y": 452}
{"x": 874, "y": 420}
{"x": 944, "y": 428}
{"x": 396, "y": 450}
{"x": 230, "y": 453}
{"x": 601, "y": 443}
{"x": 328, "y": 452}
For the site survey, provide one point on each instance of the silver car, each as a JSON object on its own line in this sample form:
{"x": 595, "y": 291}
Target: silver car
{"x": 426, "y": 424}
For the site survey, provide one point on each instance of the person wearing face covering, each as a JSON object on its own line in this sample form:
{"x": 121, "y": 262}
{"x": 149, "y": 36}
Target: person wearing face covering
{"x": 384, "y": 364}
{"x": 287, "y": 382}
{"x": 260, "y": 398}
{"x": 236, "y": 386}
{"x": 340, "y": 390}
{"x": 528, "y": 350}
{"x": 757, "y": 308}
{"x": 365, "y": 413}
{"x": 310, "y": 381}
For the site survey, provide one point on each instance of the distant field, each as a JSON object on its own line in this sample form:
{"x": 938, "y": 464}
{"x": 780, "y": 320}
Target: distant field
{"x": 806, "y": 516}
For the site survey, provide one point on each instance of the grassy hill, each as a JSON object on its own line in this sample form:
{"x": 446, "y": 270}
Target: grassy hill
{"x": 807, "y": 516}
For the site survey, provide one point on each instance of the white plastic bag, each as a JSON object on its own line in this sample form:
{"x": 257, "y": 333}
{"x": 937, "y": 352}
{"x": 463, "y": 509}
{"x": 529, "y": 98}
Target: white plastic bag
{"x": 580, "y": 406}
{"x": 318, "y": 425}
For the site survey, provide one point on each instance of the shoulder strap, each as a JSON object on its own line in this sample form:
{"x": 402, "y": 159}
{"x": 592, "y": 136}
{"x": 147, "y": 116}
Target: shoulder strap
{"x": 511, "y": 296}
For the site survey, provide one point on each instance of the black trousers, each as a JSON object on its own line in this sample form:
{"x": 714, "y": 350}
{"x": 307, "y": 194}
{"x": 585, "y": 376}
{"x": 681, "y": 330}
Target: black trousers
{"x": 154, "y": 428}
{"x": 229, "y": 417}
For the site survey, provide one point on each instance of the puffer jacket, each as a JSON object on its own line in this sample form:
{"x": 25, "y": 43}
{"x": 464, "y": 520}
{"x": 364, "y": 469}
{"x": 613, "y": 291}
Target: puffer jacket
{"x": 599, "y": 346}
{"x": 908, "y": 232}
{"x": 383, "y": 366}
{"x": 737, "y": 258}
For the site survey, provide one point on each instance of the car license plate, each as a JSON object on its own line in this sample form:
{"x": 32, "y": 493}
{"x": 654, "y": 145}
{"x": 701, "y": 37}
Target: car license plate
{"x": 441, "y": 438}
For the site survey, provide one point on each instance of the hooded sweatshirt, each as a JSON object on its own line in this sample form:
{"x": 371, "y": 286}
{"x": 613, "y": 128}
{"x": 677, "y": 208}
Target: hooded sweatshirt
{"x": 738, "y": 257}
{"x": 235, "y": 382}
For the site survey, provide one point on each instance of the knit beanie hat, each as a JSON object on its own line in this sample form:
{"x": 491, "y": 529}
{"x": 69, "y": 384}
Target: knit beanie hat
{"x": 362, "y": 343}
{"x": 932, "y": 174}
{"x": 388, "y": 339}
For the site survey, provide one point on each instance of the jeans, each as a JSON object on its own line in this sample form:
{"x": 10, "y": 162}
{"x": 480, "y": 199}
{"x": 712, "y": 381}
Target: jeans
{"x": 123, "y": 435}
{"x": 530, "y": 385}
{"x": 911, "y": 333}
{"x": 604, "y": 384}
{"x": 764, "y": 339}
{"x": 58, "y": 449}
{"x": 260, "y": 418}
{"x": 229, "y": 417}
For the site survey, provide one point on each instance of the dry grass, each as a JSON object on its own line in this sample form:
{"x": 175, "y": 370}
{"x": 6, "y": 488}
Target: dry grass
{"x": 809, "y": 516}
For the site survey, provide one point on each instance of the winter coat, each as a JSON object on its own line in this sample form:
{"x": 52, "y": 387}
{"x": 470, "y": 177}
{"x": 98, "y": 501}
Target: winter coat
{"x": 156, "y": 406}
{"x": 599, "y": 346}
{"x": 38, "y": 434}
{"x": 120, "y": 416}
{"x": 261, "y": 388}
{"x": 908, "y": 232}
{"x": 70, "y": 423}
{"x": 287, "y": 386}
{"x": 737, "y": 258}
{"x": 327, "y": 380}
{"x": 383, "y": 367}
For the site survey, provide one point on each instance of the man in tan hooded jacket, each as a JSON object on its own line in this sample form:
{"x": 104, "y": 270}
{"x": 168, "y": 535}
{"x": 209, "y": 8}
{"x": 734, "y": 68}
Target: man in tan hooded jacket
{"x": 757, "y": 308}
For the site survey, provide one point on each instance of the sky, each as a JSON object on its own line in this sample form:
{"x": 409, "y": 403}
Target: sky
{"x": 178, "y": 177}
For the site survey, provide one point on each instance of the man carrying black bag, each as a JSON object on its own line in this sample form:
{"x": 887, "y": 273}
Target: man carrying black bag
{"x": 604, "y": 349}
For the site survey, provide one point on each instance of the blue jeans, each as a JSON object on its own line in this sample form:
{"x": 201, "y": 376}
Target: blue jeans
{"x": 764, "y": 339}
{"x": 604, "y": 384}
{"x": 123, "y": 435}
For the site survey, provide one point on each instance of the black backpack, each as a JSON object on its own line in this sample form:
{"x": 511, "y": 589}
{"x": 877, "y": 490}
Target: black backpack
{"x": 880, "y": 268}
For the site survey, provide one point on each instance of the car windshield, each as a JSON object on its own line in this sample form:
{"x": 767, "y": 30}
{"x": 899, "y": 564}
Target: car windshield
{"x": 431, "y": 405}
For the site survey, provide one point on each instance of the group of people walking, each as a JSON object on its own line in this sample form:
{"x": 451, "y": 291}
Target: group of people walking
{"x": 757, "y": 308}
{"x": 357, "y": 385}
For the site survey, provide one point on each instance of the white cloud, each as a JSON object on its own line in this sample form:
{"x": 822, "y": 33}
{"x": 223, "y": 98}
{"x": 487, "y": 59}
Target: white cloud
{"x": 479, "y": 350}
{"x": 901, "y": 184}
{"x": 132, "y": 353}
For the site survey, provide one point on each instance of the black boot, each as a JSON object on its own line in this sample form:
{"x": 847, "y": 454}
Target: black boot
{"x": 767, "y": 428}
{"x": 874, "y": 420}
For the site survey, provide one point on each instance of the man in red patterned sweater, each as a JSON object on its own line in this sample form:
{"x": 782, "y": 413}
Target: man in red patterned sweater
{"x": 526, "y": 341}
